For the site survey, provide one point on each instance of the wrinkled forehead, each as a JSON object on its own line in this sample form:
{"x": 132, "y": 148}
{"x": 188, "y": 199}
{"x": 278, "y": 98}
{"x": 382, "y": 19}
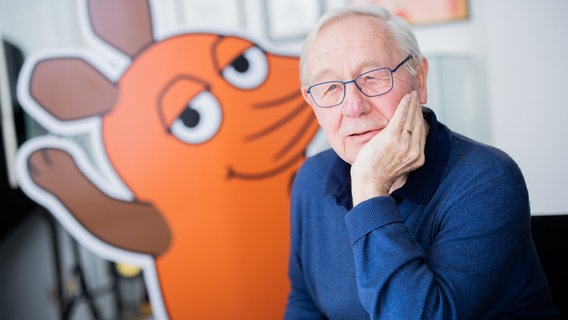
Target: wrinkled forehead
{"x": 355, "y": 42}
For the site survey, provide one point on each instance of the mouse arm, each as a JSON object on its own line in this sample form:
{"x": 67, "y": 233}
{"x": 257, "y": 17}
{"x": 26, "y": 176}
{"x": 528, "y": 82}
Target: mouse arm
{"x": 130, "y": 225}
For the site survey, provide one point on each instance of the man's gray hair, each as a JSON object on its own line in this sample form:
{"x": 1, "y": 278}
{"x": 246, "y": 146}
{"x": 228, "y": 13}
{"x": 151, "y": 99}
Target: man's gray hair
{"x": 400, "y": 31}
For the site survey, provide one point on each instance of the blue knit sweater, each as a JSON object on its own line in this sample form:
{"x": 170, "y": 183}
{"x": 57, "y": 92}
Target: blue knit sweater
{"x": 453, "y": 243}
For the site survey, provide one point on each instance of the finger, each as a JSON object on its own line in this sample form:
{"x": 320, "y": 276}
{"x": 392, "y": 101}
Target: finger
{"x": 402, "y": 115}
{"x": 419, "y": 131}
{"x": 415, "y": 110}
{"x": 411, "y": 122}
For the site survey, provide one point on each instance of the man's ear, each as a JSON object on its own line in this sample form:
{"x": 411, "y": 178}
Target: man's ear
{"x": 421, "y": 76}
{"x": 306, "y": 96}
{"x": 304, "y": 91}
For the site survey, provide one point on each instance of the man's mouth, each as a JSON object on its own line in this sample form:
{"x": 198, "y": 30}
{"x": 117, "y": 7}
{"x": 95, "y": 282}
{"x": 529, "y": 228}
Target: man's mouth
{"x": 363, "y": 136}
{"x": 361, "y": 133}
{"x": 364, "y": 133}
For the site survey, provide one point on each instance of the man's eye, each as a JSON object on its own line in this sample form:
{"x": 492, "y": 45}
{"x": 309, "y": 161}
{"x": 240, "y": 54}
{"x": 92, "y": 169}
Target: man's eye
{"x": 332, "y": 88}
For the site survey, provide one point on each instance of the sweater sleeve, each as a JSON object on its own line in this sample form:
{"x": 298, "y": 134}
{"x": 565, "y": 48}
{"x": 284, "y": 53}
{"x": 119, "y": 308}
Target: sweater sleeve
{"x": 476, "y": 246}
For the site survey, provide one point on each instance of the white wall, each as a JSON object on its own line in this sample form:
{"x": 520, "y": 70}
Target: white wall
{"x": 528, "y": 67}
{"x": 519, "y": 51}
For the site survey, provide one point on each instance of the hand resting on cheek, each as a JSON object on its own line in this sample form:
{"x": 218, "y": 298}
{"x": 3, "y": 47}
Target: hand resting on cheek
{"x": 383, "y": 164}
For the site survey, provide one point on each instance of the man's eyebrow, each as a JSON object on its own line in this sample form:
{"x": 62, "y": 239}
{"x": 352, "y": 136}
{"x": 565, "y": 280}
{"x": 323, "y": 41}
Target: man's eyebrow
{"x": 372, "y": 64}
{"x": 362, "y": 67}
{"x": 318, "y": 76}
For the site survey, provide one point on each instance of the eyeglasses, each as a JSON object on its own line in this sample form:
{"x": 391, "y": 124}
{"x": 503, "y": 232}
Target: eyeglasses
{"x": 371, "y": 83}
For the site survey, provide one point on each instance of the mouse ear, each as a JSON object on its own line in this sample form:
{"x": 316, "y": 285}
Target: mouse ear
{"x": 71, "y": 88}
{"x": 124, "y": 24}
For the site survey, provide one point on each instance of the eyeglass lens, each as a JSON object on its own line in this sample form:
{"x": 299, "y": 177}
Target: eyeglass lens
{"x": 372, "y": 83}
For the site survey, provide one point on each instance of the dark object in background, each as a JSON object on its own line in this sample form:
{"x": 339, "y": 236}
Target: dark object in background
{"x": 550, "y": 234}
{"x": 16, "y": 206}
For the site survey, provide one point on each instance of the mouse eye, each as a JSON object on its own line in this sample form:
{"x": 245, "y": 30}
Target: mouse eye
{"x": 200, "y": 120}
{"x": 249, "y": 70}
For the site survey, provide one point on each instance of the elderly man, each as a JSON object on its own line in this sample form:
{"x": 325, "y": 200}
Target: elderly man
{"x": 403, "y": 218}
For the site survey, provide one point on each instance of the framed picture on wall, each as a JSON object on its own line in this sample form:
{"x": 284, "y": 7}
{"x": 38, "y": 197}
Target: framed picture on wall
{"x": 291, "y": 19}
{"x": 418, "y": 12}
{"x": 212, "y": 13}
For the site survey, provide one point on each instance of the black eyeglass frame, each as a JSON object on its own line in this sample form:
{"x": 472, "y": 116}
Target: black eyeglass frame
{"x": 344, "y": 83}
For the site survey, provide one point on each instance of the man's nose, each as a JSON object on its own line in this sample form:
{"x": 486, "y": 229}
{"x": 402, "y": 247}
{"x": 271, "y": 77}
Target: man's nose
{"x": 354, "y": 103}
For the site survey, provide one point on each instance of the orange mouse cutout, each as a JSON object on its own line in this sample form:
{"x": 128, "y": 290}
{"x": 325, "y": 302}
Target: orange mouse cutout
{"x": 187, "y": 165}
